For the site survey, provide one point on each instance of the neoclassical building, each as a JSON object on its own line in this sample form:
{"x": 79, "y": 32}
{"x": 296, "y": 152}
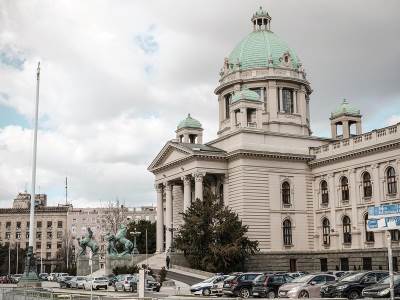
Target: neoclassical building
{"x": 303, "y": 197}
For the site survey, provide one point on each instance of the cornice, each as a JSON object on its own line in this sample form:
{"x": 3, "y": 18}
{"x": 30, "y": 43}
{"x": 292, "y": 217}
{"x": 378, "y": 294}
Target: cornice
{"x": 355, "y": 153}
{"x": 242, "y": 153}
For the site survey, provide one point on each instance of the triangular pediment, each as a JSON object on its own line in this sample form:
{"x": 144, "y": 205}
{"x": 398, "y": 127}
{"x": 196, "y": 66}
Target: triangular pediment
{"x": 169, "y": 153}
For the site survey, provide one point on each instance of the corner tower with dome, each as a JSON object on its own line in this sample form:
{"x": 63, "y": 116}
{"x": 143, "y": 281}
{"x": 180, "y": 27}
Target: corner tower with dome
{"x": 303, "y": 197}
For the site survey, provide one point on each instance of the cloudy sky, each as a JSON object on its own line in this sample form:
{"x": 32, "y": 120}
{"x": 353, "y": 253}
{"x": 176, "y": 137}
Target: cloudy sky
{"x": 117, "y": 76}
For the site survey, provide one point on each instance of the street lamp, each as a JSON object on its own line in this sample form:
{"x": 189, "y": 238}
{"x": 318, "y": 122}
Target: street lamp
{"x": 135, "y": 234}
{"x": 172, "y": 229}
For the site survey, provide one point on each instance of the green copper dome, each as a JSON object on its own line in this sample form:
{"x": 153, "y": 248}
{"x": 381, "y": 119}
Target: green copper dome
{"x": 345, "y": 109}
{"x": 262, "y": 49}
{"x": 189, "y": 122}
{"x": 245, "y": 94}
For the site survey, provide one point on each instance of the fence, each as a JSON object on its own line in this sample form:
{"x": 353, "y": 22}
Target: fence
{"x": 43, "y": 294}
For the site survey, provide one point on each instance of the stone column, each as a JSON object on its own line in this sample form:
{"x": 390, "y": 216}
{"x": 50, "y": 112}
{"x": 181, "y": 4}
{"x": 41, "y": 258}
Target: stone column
{"x": 358, "y": 127}
{"x": 354, "y": 211}
{"x": 295, "y": 102}
{"x": 225, "y": 182}
{"x": 332, "y": 199}
{"x": 333, "y": 130}
{"x": 160, "y": 219}
{"x": 187, "y": 192}
{"x": 168, "y": 214}
{"x": 376, "y": 192}
{"x": 198, "y": 185}
{"x": 346, "y": 129}
{"x": 280, "y": 100}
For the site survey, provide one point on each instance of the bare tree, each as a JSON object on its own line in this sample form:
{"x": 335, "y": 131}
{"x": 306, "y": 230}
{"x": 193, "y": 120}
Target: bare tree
{"x": 113, "y": 217}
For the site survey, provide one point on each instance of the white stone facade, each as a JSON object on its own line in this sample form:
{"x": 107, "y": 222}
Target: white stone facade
{"x": 267, "y": 166}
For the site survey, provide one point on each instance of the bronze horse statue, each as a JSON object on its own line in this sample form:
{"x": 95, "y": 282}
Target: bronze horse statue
{"x": 88, "y": 242}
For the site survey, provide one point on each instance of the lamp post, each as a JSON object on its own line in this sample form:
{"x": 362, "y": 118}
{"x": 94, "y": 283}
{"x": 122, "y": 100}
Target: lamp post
{"x": 172, "y": 229}
{"x": 135, "y": 234}
{"x": 16, "y": 267}
{"x": 9, "y": 258}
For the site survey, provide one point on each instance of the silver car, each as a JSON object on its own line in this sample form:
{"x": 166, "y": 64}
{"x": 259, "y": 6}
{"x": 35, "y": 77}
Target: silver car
{"x": 126, "y": 283}
{"x": 77, "y": 282}
{"x": 306, "y": 286}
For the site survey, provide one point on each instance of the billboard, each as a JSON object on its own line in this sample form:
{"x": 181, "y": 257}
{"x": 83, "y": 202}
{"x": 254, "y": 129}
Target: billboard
{"x": 383, "y": 217}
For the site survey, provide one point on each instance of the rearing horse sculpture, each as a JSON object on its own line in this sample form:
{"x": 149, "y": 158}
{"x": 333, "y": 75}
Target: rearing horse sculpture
{"x": 88, "y": 242}
{"x": 121, "y": 238}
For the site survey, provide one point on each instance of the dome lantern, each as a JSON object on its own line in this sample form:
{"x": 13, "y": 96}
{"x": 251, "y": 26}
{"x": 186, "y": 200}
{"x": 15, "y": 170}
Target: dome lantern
{"x": 344, "y": 117}
{"x": 190, "y": 131}
{"x": 261, "y": 20}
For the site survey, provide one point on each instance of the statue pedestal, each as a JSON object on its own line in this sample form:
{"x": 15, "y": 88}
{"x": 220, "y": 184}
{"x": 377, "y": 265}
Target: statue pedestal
{"x": 113, "y": 261}
{"x": 83, "y": 265}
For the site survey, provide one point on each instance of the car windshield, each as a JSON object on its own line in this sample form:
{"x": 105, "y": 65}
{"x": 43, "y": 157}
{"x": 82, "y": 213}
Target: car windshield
{"x": 129, "y": 278}
{"x": 260, "y": 278}
{"x": 386, "y": 280}
{"x": 211, "y": 279}
{"x": 80, "y": 278}
{"x": 230, "y": 277}
{"x": 149, "y": 277}
{"x": 353, "y": 277}
{"x": 302, "y": 279}
{"x": 100, "y": 278}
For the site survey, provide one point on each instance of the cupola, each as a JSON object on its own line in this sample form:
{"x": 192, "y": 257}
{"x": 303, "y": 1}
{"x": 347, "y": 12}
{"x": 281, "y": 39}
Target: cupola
{"x": 261, "y": 20}
{"x": 345, "y": 116}
{"x": 190, "y": 131}
{"x": 246, "y": 109}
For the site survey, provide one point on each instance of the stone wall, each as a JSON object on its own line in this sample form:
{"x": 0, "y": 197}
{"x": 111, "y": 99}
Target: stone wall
{"x": 309, "y": 261}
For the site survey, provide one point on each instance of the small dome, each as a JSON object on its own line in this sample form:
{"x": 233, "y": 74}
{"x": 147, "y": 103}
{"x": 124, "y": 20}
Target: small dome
{"x": 245, "y": 94}
{"x": 345, "y": 109}
{"x": 189, "y": 122}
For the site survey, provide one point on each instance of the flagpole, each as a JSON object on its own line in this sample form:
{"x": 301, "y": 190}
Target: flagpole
{"x": 30, "y": 273}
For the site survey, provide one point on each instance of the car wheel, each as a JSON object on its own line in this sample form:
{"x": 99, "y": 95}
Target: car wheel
{"x": 131, "y": 289}
{"x": 124, "y": 289}
{"x": 271, "y": 294}
{"x": 354, "y": 294}
{"x": 244, "y": 293}
{"x": 304, "y": 294}
{"x": 206, "y": 292}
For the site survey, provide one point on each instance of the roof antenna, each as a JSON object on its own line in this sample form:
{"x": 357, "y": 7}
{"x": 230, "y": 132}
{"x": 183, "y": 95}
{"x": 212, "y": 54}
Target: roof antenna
{"x": 66, "y": 190}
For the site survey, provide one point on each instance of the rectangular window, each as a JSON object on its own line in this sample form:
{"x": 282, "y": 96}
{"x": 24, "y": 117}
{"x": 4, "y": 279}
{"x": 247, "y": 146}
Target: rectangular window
{"x": 38, "y": 245}
{"x": 38, "y": 235}
{"x": 293, "y": 265}
{"x": 59, "y": 245}
{"x": 48, "y": 246}
{"x": 344, "y": 264}
{"x": 59, "y": 234}
{"x": 18, "y": 225}
{"x": 48, "y": 255}
{"x": 395, "y": 266}
{"x": 27, "y": 234}
{"x": 367, "y": 263}
{"x": 8, "y": 235}
{"x": 49, "y": 224}
{"x": 49, "y": 235}
{"x": 394, "y": 234}
{"x": 18, "y": 235}
{"x": 287, "y": 101}
{"x": 8, "y": 226}
{"x": 39, "y": 224}
{"x": 324, "y": 264}
{"x": 227, "y": 103}
{"x": 59, "y": 224}
{"x": 27, "y": 224}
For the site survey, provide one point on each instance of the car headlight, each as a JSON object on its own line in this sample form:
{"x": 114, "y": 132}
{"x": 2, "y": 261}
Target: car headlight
{"x": 342, "y": 287}
{"x": 384, "y": 292}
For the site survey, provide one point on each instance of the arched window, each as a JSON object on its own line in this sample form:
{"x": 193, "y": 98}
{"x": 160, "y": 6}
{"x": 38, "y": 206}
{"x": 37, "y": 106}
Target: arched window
{"x": 344, "y": 185}
{"x": 346, "y": 230}
{"x": 326, "y": 232}
{"x": 286, "y": 193}
{"x": 367, "y": 185}
{"x": 227, "y": 99}
{"x": 287, "y": 101}
{"x": 287, "y": 232}
{"x": 369, "y": 235}
{"x": 391, "y": 181}
{"x": 324, "y": 192}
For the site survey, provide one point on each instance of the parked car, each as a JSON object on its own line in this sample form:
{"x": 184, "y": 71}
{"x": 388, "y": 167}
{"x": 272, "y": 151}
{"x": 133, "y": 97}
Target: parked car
{"x": 96, "y": 283}
{"x": 296, "y": 274}
{"x": 267, "y": 285}
{"x": 124, "y": 283}
{"x": 218, "y": 287}
{"x": 240, "y": 285}
{"x": 43, "y": 276}
{"x": 381, "y": 289}
{"x": 152, "y": 284}
{"x": 206, "y": 287}
{"x": 307, "y": 286}
{"x": 60, "y": 275}
{"x": 77, "y": 282}
{"x": 351, "y": 286}
{"x": 51, "y": 277}
{"x": 16, "y": 278}
{"x": 64, "y": 281}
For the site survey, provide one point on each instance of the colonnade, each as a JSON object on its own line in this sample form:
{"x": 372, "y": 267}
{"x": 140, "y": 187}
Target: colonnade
{"x": 167, "y": 187}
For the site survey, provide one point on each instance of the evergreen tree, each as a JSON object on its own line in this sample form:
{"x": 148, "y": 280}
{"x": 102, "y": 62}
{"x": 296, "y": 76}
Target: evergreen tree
{"x": 213, "y": 237}
{"x": 141, "y": 226}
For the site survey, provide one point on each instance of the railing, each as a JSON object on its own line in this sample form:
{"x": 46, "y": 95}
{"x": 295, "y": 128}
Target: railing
{"x": 359, "y": 141}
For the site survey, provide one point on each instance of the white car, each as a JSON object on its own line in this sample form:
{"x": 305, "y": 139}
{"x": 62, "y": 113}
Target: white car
{"x": 126, "y": 283}
{"x": 206, "y": 287}
{"x": 96, "y": 283}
